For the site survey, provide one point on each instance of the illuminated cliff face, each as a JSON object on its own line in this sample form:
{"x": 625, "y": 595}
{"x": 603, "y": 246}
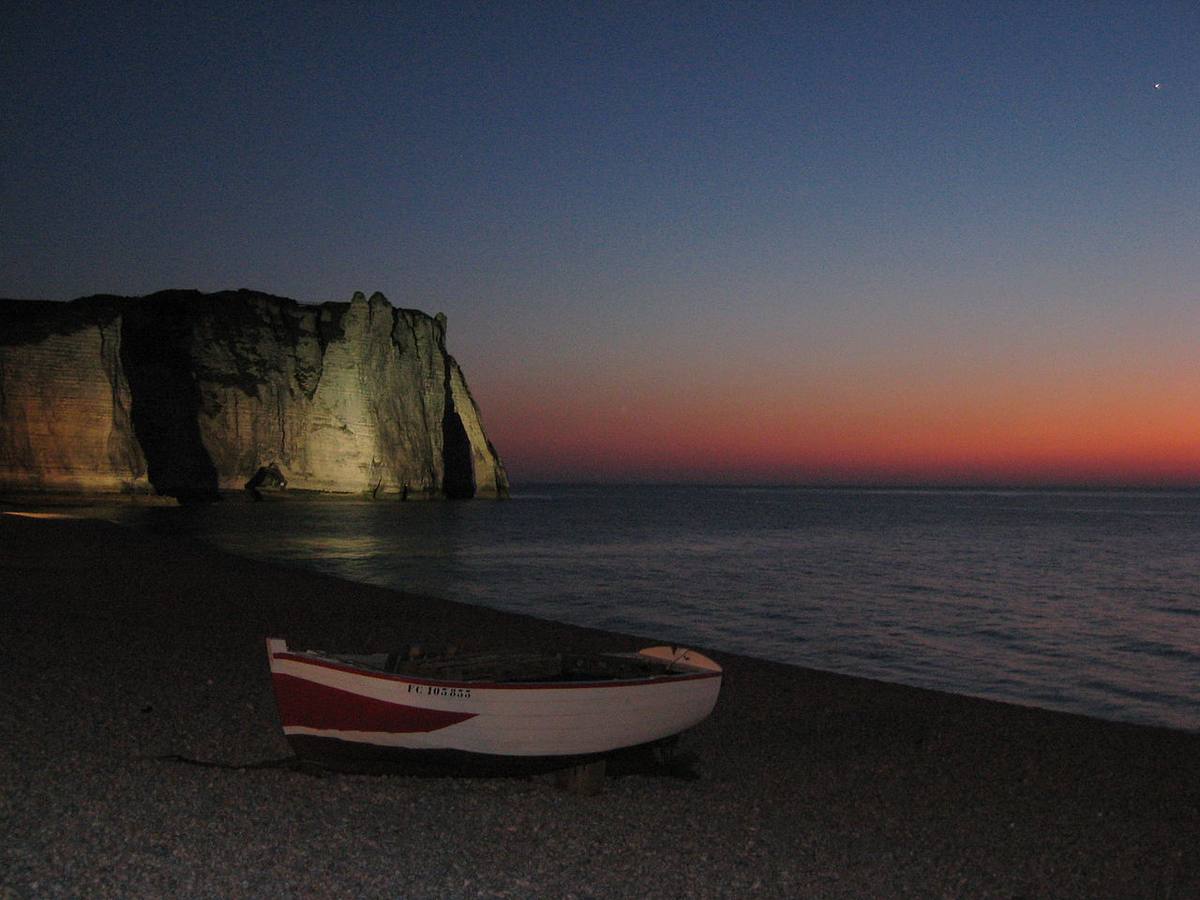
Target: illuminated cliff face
{"x": 65, "y": 402}
{"x": 186, "y": 394}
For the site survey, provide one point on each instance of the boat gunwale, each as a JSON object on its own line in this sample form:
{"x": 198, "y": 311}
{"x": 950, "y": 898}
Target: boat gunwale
{"x": 477, "y": 685}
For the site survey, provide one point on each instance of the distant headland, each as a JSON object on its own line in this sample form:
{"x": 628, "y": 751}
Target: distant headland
{"x": 187, "y": 395}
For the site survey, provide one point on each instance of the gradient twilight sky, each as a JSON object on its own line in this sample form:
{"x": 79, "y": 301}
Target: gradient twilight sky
{"x": 801, "y": 242}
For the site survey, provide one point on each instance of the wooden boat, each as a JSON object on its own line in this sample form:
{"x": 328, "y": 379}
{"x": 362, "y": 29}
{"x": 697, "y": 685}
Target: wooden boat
{"x": 492, "y": 712}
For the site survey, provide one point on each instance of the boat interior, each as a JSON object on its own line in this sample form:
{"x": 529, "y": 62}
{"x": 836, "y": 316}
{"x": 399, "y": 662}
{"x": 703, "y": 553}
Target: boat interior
{"x": 509, "y": 668}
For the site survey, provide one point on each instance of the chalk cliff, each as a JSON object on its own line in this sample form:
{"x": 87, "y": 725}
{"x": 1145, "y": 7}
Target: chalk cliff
{"x": 188, "y": 394}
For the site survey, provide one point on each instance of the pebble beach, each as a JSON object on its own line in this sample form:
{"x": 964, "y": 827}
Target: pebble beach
{"x": 141, "y": 755}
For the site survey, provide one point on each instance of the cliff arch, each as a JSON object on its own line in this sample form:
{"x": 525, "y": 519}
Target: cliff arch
{"x": 458, "y": 479}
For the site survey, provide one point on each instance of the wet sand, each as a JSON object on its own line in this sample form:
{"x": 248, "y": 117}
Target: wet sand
{"x": 120, "y": 650}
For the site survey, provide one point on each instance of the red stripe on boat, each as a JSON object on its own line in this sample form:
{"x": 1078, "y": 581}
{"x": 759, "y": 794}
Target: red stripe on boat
{"x": 305, "y": 703}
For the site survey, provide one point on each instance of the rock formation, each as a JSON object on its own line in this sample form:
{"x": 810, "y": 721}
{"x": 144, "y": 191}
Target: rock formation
{"x": 187, "y": 394}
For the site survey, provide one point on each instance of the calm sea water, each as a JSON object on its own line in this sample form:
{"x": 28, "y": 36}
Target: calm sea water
{"x": 1079, "y": 601}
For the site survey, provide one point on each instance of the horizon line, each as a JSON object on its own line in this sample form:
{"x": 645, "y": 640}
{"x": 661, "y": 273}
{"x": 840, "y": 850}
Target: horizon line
{"x": 864, "y": 486}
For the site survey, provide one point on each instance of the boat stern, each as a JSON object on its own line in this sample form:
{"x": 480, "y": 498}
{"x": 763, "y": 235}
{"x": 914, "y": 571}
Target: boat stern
{"x": 681, "y": 658}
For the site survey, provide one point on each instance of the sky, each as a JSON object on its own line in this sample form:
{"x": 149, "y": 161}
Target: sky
{"x": 810, "y": 243}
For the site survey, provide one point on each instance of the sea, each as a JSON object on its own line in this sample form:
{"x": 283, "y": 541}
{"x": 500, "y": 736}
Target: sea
{"x": 1083, "y": 601}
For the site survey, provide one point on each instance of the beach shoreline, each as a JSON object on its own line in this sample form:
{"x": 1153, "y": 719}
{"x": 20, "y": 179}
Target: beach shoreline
{"x": 126, "y": 649}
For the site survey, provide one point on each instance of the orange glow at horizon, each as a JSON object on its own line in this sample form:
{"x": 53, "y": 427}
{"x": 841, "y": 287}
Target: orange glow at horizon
{"x": 1105, "y": 396}
{"x": 1129, "y": 437}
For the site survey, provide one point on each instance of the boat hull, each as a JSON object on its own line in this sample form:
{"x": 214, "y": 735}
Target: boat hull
{"x": 339, "y": 714}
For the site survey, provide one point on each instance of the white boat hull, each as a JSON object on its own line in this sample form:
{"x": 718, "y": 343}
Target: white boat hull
{"x": 331, "y": 709}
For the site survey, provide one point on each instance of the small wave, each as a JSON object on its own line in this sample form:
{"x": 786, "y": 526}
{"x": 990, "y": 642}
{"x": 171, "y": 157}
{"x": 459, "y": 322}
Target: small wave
{"x": 1184, "y": 611}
